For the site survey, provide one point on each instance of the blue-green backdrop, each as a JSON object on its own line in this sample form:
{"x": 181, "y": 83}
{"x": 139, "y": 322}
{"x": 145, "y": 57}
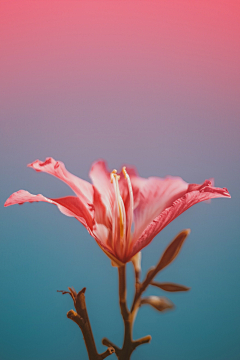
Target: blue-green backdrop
{"x": 154, "y": 84}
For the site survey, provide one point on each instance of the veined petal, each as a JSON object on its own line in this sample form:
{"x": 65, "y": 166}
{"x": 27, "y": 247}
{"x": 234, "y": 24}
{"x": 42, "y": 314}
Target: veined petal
{"x": 101, "y": 234}
{"x": 73, "y": 205}
{"x": 155, "y": 195}
{"x": 124, "y": 190}
{"x": 69, "y": 205}
{"x": 82, "y": 188}
{"x": 100, "y": 177}
{"x": 195, "y": 194}
{"x": 100, "y": 211}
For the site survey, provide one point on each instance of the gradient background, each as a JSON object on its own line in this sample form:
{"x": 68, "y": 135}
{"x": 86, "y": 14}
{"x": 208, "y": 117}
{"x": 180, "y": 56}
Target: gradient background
{"x": 155, "y": 84}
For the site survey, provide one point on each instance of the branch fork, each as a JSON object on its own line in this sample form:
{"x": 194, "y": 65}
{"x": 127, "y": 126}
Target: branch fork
{"x": 80, "y": 316}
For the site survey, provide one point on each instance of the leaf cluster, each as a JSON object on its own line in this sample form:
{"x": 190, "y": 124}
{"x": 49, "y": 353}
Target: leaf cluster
{"x": 169, "y": 255}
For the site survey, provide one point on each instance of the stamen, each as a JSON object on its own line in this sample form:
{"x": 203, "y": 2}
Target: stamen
{"x": 113, "y": 174}
{"x": 124, "y": 172}
{"x": 122, "y": 218}
{"x": 119, "y": 209}
{"x": 130, "y": 212}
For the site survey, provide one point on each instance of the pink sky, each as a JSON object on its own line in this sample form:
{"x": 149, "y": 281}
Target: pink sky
{"x": 71, "y": 68}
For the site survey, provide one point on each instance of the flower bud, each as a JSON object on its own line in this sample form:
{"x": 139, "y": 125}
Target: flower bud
{"x": 158, "y": 303}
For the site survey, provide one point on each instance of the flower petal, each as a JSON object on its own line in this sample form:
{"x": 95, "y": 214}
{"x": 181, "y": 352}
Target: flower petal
{"x": 73, "y": 205}
{"x": 100, "y": 177}
{"x": 70, "y": 205}
{"x": 154, "y": 195}
{"x": 99, "y": 208}
{"x": 195, "y": 194}
{"x": 101, "y": 234}
{"x": 124, "y": 191}
{"x": 82, "y": 188}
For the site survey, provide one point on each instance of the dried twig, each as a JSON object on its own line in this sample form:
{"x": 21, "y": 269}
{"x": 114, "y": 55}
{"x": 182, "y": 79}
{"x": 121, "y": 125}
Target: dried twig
{"x": 82, "y": 320}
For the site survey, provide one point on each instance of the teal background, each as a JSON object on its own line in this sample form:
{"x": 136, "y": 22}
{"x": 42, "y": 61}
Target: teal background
{"x": 154, "y": 84}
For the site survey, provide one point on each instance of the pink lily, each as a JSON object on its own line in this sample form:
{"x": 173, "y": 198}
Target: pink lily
{"x": 122, "y": 213}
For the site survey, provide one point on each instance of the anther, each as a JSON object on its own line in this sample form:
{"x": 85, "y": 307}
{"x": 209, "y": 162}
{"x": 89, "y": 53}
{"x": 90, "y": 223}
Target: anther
{"x": 124, "y": 171}
{"x": 113, "y": 174}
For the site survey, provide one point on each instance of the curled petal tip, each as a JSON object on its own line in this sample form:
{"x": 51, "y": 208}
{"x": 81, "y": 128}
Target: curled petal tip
{"x": 32, "y": 163}
{"x": 6, "y": 203}
{"x": 226, "y": 192}
{"x": 11, "y": 199}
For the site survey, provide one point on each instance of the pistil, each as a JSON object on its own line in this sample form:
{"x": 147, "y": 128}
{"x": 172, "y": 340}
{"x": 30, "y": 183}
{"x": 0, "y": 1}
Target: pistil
{"x": 121, "y": 222}
{"x": 119, "y": 213}
{"x": 130, "y": 211}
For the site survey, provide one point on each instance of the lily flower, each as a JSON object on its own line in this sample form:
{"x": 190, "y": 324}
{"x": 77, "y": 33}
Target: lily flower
{"x": 122, "y": 212}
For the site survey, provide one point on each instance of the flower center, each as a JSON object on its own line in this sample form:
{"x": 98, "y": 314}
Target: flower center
{"x": 121, "y": 222}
